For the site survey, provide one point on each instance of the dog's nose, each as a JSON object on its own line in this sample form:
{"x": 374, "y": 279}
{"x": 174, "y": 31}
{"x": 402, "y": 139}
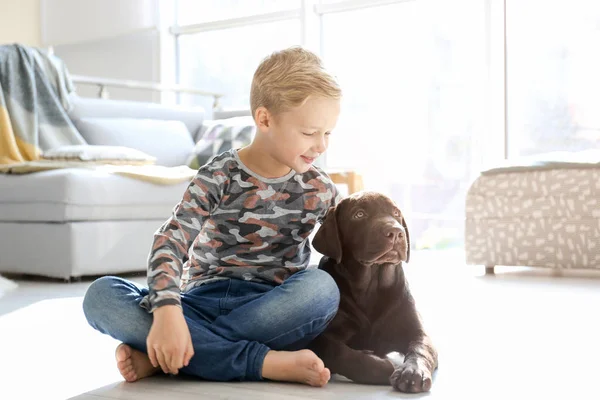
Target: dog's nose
{"x": 392, "y": 233}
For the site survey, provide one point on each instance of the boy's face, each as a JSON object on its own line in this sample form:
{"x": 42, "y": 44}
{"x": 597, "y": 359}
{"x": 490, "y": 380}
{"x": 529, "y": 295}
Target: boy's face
{"x": 300, "y": 135}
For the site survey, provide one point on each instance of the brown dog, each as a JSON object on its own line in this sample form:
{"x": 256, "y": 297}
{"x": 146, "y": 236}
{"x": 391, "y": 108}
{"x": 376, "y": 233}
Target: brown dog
{"x": 364, "y": 240}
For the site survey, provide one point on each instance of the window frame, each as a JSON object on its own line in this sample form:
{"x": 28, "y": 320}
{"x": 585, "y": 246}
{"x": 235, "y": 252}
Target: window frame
{"x": 490, "y": 147}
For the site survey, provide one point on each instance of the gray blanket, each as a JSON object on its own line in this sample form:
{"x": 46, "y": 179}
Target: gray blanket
{"x": 34, "y": 100}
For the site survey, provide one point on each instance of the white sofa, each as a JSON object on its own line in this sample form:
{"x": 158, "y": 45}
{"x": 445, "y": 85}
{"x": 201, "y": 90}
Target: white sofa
{"x": 69, "y": 223}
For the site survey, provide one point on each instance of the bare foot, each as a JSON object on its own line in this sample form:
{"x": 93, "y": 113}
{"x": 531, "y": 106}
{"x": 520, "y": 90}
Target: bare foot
{"x": 133, "y": 364}
{"x": 301, "y": 366}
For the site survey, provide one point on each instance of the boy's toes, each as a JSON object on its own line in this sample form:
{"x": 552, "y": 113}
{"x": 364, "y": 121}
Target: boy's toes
{"x": 318, "y": 365}
{"x": 133, "y": 364}
{"x": 124, "y": 363}
{"x": 125, "y": 366}
{"x": 131, "y": 377}
{"x": 325, "y": 376}
{"x": 123, "y": 352}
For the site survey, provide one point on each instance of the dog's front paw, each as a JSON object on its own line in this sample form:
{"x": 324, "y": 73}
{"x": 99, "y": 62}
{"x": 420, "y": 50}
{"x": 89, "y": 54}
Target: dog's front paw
{"x": 411, "y": 378}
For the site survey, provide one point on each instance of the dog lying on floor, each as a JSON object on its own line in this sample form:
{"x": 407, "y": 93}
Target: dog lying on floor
{"x": 364, "y": 240}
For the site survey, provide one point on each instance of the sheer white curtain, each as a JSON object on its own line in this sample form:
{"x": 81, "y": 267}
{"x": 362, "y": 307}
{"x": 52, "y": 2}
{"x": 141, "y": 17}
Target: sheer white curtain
{"x": 413, "y": 75}
{"x": 552, "y": 75}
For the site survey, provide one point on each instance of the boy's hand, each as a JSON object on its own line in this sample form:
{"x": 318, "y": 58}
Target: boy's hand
{"x": 169, "y": 342}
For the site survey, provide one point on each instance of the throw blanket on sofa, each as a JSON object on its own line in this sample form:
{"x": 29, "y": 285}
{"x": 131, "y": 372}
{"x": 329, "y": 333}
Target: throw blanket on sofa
{"x": 34, "y": 90}
{"x": 34, "y": 101}
{"x": 157, "y": 174}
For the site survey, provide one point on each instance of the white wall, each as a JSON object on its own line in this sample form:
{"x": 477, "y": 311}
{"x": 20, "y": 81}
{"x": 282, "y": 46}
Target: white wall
{"x": 77, "y": 21}
{"x": 20, "y": 22}
{"x": 106, "y": 38}
{"x": 133, "y": 56}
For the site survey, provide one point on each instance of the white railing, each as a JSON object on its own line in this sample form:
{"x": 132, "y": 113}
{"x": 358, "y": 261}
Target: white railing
{"x": 104, "y": 83}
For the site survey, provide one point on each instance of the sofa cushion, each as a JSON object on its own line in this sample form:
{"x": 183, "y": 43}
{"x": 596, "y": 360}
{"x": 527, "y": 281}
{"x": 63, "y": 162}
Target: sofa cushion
{"x": 99, "y": 154}
{"x": 168, "y": 141}
{"x": 85, "y": 107}
{"x": 217, "y": 136}
{"x": 75, "y": 194}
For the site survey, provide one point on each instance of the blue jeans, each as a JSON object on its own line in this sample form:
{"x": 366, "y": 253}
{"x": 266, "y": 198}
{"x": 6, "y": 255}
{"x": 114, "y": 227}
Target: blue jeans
{"x": 233, "y": 323}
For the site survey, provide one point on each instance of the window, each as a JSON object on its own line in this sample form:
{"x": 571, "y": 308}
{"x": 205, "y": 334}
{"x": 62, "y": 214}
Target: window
{"x": 195, "y": 11}
{"x": 552, "y": 75}
{"x": 224, "y": 60}
{"x": 412, "y": 75}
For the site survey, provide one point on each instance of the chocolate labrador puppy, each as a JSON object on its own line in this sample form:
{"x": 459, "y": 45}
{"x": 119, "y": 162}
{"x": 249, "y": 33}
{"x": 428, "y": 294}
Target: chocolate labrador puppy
{"x": 364, "y": 240}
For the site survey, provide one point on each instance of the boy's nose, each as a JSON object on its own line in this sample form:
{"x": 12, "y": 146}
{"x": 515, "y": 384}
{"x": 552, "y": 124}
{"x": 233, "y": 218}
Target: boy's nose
{"x": 321, "y": 145}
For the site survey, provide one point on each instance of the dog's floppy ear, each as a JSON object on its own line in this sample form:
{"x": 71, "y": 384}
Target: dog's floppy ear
{"x": 407, "y": 239}
{"x": 327, "y": 241}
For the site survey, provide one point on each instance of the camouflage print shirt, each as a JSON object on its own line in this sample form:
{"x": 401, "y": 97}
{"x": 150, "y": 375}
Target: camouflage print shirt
{"x": 233, "y": 223}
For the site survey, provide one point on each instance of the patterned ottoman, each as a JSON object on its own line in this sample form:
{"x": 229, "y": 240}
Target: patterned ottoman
{"x": 538, "y": 214}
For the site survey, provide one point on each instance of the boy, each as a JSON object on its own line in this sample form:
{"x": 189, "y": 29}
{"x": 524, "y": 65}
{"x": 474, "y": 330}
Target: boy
{"x": 229, "y": 294}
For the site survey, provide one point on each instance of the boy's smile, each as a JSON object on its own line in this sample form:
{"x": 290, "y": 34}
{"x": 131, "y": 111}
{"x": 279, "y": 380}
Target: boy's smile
{"x": 308, "y": 160}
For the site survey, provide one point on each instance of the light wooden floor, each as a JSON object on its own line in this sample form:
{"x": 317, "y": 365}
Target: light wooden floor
{"x": 522, "y": 334}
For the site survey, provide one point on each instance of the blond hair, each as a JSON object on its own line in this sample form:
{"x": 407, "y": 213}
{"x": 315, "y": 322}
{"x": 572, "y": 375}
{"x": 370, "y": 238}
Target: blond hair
{"x": 286, "y": 78}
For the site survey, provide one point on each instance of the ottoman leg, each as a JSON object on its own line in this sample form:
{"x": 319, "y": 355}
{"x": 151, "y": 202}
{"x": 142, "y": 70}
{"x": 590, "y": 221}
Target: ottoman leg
{"x": 489, "y": 270}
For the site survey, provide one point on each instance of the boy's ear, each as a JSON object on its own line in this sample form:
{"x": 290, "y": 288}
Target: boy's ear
{"x": 327, "y": 241}
{"x": 262, "y": 118}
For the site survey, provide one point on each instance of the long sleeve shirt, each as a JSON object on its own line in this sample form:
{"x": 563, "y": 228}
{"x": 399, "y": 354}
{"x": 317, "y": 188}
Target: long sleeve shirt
{"x": 233, "y": 223}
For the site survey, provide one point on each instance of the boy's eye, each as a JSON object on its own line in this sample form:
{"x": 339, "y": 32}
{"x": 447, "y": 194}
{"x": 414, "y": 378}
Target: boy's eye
{"x": 311, "y": 134}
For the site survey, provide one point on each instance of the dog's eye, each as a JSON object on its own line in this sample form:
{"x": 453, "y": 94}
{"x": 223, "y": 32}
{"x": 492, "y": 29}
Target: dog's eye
{"x": 396, "y": 213}
{"x": 359, "y": 214}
